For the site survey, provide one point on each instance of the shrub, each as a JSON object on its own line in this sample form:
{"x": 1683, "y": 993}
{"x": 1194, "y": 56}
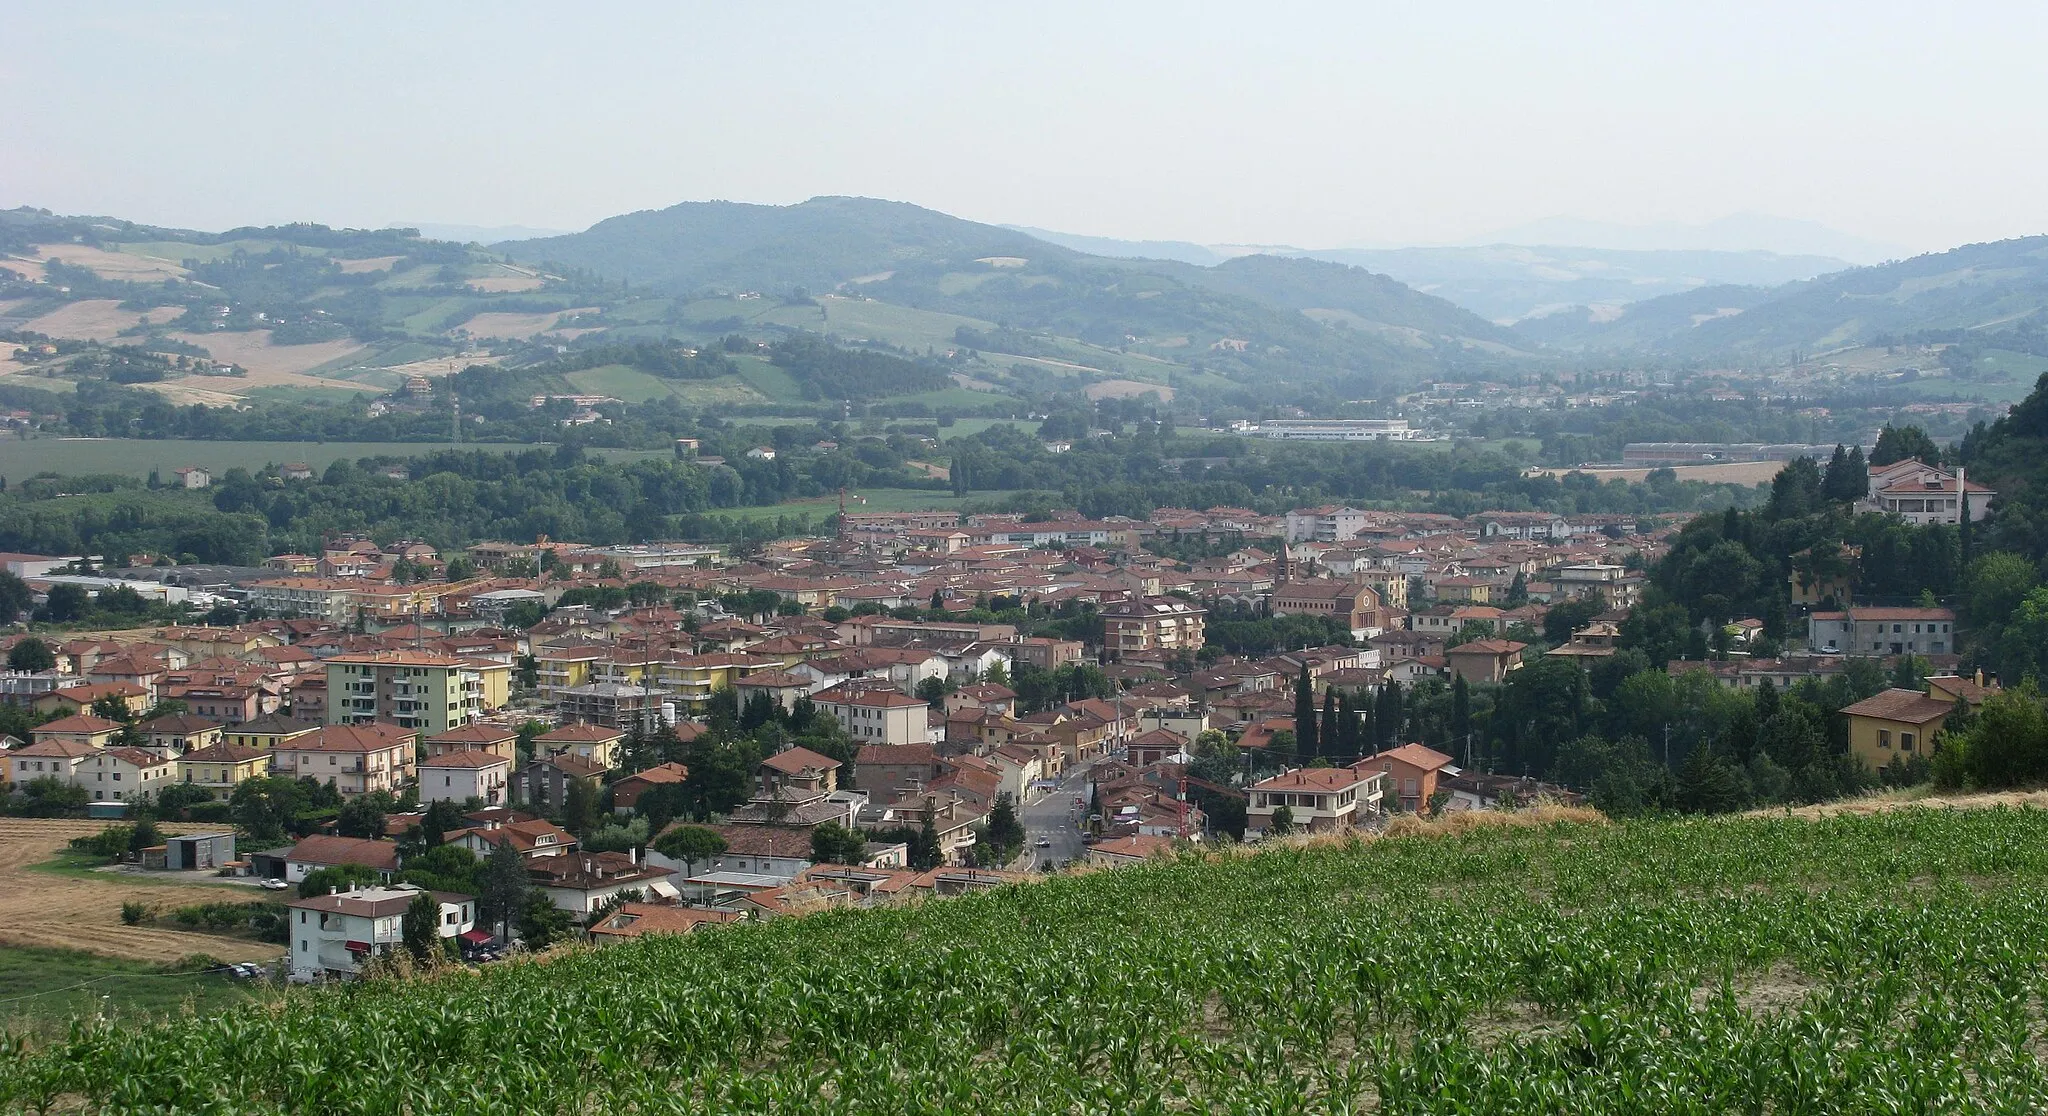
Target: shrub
{"x": 132, "y": 913}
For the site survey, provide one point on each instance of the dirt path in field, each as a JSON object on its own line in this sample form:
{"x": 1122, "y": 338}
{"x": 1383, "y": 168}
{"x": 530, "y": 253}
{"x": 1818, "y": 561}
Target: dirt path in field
{"x": 1899, "y": 800}
{"x": 63, "y": 912}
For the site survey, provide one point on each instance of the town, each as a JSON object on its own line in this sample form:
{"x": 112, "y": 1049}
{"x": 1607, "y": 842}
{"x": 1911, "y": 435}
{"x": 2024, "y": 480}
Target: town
{"x": 648, "y": 738}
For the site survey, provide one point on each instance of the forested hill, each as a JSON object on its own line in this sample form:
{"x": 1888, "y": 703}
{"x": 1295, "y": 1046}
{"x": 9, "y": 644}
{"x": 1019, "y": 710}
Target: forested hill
{"x": 1974, "y": 287}
{"x": 734, "y": 247}
{"x": 1252, "y": 318}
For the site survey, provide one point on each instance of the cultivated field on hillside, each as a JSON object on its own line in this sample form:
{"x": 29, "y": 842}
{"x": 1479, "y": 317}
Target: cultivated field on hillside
{"x": 519, "y": 325}
{"x": 126, "y": 266}
{"x": 98, "y": 319}
{"x": 1883, "y": 963}
{"x": 270, "y": 364}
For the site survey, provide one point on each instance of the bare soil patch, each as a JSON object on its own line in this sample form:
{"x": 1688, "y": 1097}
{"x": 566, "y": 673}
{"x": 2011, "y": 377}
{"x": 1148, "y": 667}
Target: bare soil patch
{"x": 374, "y": 263}
{"x": 64, "y": 912}
{"x": 98, "y": 319}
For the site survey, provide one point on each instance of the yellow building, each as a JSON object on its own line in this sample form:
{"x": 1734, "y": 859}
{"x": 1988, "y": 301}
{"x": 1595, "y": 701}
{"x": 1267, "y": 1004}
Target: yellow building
{"x": 267, "y": 733}
{"x": 222, "y": 766}
{"x": 563, "y": 668}
{"x": 491, "y": 683}
{"x": 1897, "y": 725}
{"x": 692, "y": 679}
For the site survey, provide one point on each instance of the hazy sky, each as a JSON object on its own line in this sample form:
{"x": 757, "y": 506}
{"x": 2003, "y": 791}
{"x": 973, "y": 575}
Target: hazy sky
{"x": 1309, "y": 124}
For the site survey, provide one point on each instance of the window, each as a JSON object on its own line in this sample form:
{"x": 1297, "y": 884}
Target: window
{"x": 1884, "y": 738}
{"x": 1905, "y": 742}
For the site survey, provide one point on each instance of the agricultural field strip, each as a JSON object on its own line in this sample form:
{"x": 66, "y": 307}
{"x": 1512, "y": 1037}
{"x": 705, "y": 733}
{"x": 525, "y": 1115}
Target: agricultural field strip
{"x": 1875, "y": 963}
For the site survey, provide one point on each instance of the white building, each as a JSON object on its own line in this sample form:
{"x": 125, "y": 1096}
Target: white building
{"x": 1923, "y": 494}
{"x": 1318, "y": 799}
{"x": 464, "y": 774}
{"x": 334, "y": 935}
{"x": 124, "y": 774}
{"x": 1333, "y": 430}
{"x": 877, "y": 716}
{"x": 1327, "y": 524}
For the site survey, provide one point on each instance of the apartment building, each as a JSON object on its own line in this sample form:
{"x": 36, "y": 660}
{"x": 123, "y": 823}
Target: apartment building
{"x": 412, "y": 689}
{"x": 1152, "y": 624}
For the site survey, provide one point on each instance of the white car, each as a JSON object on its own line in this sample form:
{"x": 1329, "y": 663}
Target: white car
{"x": 273, "y": 885}
{"x": 1044, "y": 842}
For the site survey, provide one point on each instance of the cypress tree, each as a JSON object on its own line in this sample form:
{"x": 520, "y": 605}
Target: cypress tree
{"x": 1305, "y": 744}
{"x": 1347, "y": 729}
{"x": 1388, "y": 716}
{"x": 1461, "y": 712}
{"x": 1328, "y": 735}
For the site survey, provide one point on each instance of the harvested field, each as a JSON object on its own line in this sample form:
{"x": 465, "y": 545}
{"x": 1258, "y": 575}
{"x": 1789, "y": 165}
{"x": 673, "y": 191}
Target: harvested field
{"x": 64, "y": 912}
{"x": 519, "y": 326}
{"x": 270, "y": 364}
{"x": 98, "y": 319}
{"x": 441, "y": 366}
{"x": 1126, "y": 389}
{"x": 374, "y": 263}
{"x": 133, "y": 268}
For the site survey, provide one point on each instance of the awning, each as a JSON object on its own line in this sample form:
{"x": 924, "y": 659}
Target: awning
{"x": 664, "y": 889}
{"x": 356, "y": 947}
{"x": 476, "y": 937}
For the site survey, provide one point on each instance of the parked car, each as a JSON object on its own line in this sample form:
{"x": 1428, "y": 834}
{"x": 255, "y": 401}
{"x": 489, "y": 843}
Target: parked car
{"x": 269, "y": 884}
{"x": 247, "y": 970}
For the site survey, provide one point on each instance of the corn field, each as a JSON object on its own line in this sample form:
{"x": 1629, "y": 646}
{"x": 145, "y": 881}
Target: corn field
{"x": 1886, "y": 963}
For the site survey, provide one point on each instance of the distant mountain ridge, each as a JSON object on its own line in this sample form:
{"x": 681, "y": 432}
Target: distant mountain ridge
{"x": 1506, "y": 282}
{"x": 1974, "y": 287}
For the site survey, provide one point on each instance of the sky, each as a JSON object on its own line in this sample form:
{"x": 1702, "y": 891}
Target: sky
{"x": 1311, "y": 124}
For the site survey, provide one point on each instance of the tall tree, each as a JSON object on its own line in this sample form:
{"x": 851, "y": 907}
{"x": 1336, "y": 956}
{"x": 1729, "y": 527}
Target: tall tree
{"x": 1387, "y": 717}
{"x": 421, "y": 927}
{"x": 1327, "y": 733}
{"x": 505, "y": 884}
{"x": 1305, "y": 744}
{"x": 1897, "y": 443}
{"x": 1461, "y": 714}
{"x": 690, "y": 844}
{"x": 31, "y": 654}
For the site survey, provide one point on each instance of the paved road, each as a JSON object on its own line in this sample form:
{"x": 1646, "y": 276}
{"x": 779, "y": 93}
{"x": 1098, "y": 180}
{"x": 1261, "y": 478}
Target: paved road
{"x": 1056, "y": 818}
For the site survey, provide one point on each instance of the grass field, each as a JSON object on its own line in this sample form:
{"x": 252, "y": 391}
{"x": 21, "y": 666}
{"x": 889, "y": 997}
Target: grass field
{"x": 21, "y": 458}
{"x": 1530, "y": 963}
{"x": 876, "y": 500}
{"x": 42, "y": 989}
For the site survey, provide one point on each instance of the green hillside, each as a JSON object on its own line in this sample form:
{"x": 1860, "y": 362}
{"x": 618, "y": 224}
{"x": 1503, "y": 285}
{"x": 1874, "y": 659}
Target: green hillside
{"x": 1882, "y": 963}
{"x": 1250, "y": 321}
{"x": 1975, "y": 287}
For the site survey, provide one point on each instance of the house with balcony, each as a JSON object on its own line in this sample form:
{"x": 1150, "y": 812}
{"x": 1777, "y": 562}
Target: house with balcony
{"x": 1317, "y": 799}
{"x": 334, "y": 936}
{"x": 353, "y": 759}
